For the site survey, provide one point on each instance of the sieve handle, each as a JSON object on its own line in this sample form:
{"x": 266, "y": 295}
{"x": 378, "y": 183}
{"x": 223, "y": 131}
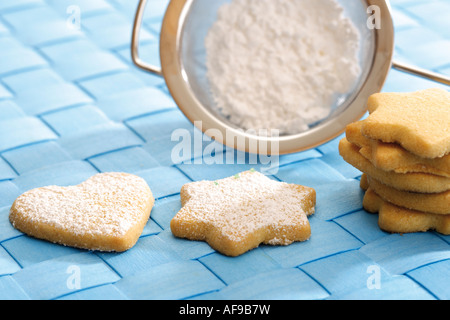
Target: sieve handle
{"x": 135, "y": 41}
{"x": 421, "y": 72}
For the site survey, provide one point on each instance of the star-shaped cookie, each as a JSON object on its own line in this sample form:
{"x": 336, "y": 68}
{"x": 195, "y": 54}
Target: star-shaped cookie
{"x": 418, "y": 121}
{"x": 393, "y": 157}
{"x": 237, "y": 214}
{"x": 395, "y": 219}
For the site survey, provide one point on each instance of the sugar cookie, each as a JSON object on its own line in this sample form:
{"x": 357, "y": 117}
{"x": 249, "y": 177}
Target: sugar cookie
{"x": 238, "y": 213}
{"x": 418, "y": 121}
{"x": 438, "y": 203}
{"x": 413, "y": 182}
{"x": 395, "y": 219}
{"x": 392, "y": 157}
{"x": 354, "y": 135}
{"x": 107, "y": 212}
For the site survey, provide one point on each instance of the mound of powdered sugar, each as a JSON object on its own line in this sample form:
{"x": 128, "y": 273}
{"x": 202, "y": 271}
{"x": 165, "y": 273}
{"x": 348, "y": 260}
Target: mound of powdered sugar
{"x": 279, "y": 64}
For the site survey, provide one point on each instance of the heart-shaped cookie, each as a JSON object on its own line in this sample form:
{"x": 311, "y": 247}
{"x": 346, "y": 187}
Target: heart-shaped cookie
{"x": 107, "y": 212}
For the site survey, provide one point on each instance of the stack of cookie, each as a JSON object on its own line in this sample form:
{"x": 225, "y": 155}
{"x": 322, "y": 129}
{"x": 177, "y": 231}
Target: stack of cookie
{"x": 403, "y": 150}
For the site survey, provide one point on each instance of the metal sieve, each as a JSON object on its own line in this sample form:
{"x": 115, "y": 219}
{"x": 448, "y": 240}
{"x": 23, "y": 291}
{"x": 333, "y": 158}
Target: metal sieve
{"x": 183, "y": 55}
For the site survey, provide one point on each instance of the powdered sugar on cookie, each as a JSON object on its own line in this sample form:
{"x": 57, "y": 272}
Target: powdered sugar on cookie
{"x": 242, "y": 206}
{"x": 107, "y": 205}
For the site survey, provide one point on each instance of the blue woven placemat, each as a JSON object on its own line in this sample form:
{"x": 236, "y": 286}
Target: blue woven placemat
{"x": 72, "y": 105}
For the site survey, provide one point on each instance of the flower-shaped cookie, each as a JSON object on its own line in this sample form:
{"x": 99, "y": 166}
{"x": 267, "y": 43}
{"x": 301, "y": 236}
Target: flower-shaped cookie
{"x": 238, "y": 213}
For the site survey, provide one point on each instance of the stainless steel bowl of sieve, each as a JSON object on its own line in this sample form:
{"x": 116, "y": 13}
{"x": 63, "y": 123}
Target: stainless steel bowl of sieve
{"x": 182, "y": 55}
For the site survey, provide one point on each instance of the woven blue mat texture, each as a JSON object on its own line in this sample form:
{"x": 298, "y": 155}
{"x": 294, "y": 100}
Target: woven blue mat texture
{"x": 72, "y": 104}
